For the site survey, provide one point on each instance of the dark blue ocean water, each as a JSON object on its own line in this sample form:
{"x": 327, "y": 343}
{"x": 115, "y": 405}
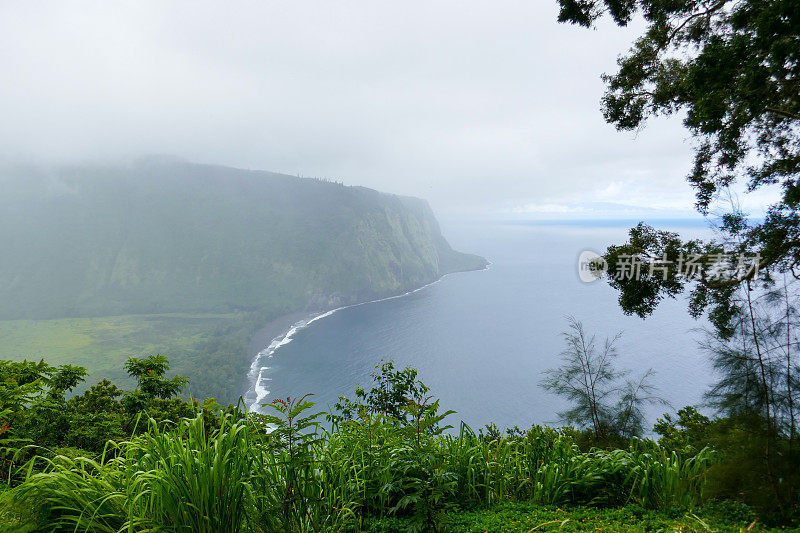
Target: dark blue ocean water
{"x": 481, "y": 340}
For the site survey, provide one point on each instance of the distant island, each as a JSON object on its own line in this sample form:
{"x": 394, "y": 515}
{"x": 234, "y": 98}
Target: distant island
{"x": 101, "y": 262}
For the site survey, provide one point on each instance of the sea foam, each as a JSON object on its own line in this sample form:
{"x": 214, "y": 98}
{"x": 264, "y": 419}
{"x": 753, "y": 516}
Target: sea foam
{"x": 259, "y": 367}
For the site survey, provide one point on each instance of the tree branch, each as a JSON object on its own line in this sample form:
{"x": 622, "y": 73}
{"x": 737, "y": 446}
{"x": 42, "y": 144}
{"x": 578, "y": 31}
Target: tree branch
{"x": 716, "y": 7}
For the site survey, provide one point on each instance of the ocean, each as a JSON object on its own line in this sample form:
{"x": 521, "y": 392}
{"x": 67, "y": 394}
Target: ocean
{"x": 482, "y": 340}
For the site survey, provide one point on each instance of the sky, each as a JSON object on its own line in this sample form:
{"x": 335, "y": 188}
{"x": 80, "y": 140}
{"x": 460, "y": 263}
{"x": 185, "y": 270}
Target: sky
{"x": 481, "y": 107}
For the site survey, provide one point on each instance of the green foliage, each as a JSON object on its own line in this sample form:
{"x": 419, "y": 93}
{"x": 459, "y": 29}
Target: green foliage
{"x": 64, "y": 379}
{"x": 687, "y": 434}
{"x": 528, "y": 518}
{"x": 214, "y": 470}
{"x": 394, "y": 392}
{"x": 670, "y": 276}
{"x": 212, "y": 349}
{"x": 32, "y": 407}
{"x": 291, "y": 491}
{"x": 741, "y": 471}
{"x": 149, "y": 373}
{"x": 730, "y": 512}
{"x": 426, "y": 482}
{"x": 193, "y": 478}
{"x": 665, "y": 479}
{"x": 400, "y": 401}
{"x": 754, "y": 350}
{"x": 197, "y": 258}
{"x": 36, "y": 416}
{"x": 589, "y": 379}
{"x": 730, "y": 68}
{"x": 78, "y": 494}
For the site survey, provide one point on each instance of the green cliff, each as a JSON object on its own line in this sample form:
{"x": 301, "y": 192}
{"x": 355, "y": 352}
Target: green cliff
{"x": 158, "y": 237}
{"x": 162, "y": 237}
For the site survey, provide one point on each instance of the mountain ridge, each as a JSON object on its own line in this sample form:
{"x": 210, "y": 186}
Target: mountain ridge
{"x": 158, "y": 237}
{"x": 103, "y": 262}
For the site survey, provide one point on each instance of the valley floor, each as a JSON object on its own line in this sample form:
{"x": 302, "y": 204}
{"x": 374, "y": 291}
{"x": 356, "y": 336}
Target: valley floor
{"x": 103, "y": 344}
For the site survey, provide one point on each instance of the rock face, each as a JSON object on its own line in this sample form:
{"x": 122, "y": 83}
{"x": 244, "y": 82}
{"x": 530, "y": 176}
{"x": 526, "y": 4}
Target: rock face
{"x": 165, "y": 236}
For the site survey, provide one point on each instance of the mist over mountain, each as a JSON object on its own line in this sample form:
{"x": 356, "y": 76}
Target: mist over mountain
{"x": 165, "y": 236}
{"x": 103, "y": 262}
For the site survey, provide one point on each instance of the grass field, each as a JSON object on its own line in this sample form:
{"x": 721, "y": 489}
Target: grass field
{"x": 103, "y": 344}
{"x": 526, "y": 518}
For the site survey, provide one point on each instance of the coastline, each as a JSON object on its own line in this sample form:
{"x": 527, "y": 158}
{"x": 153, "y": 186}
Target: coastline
{"x": 264, "y": 339}
{"x": 276, "y": 327}
{"x": 280, "y": 330}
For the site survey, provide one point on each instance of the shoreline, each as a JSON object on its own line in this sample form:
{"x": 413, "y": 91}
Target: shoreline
{"x": 277, "y": 328}
{"x": 274, "y": 328}
{"x": 280, "y": 330}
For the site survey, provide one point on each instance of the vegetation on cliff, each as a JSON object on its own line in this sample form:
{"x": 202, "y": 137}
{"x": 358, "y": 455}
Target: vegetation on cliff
{"x": 207, "y": 253}
{"x": 159, "y": 236}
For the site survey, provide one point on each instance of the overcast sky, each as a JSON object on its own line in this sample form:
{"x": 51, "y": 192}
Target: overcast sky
{"x": 485, "y": 107}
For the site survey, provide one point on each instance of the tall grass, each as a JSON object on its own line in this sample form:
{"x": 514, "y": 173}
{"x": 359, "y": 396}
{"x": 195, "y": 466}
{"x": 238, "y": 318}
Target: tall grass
{"x": 662, "y": 478}
{"x": 187, "y": 479}
{"x": 191, "y": 479}
{"x": 300, "y": 478}
{"x": 73, "y": 495}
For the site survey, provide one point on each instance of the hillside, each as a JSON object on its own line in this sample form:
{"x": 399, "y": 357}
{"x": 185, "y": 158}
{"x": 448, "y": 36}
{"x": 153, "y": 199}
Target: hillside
{"x": 159, "y": 237}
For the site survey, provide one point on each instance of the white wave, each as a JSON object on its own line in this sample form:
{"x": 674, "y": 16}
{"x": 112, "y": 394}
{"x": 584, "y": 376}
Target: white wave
{"x": 257, "y": 370}
{"x": 256, "y": 374}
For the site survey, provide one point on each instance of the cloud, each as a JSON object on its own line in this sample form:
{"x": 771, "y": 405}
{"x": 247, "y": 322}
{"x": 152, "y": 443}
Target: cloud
{"x": 546, "y": 209}
{"x": 473, "y": 105}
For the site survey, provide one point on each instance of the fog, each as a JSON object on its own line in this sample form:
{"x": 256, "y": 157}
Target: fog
{"x": 480, "y": 107}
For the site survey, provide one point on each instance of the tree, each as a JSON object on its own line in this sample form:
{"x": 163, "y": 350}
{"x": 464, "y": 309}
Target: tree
{"x": 759, "y": 382}
{"x": 155, "y": 393}
{"x": 591, "y": 382}
{"x": 27, "y": 387}
{"x": 731, "y": 67}
{"x": 149, "y": 373}
{"x": 395, "y": 394}
{"x": 687, "y": 433}
{"x": 65, "y": 378}
{"x": 758, "y": 364}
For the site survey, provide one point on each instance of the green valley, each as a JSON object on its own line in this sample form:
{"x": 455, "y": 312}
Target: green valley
{"x": 102, "y": 344}
{"x": 101, "y": 263}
